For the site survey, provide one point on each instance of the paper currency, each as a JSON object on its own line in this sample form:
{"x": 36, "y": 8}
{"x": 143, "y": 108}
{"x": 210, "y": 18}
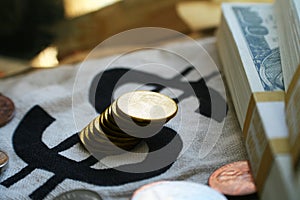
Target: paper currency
{"x": 288, "y": 17}
{"x": 260, "y": 34}
{"x": 249, "y": 49}
{"x": 248, "y": 42}
{"x": 287, "y": 14}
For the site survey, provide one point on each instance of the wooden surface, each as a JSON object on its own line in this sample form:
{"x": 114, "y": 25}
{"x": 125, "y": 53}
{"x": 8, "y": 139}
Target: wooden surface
{"x": 74, "y": 38}
{"x": 200, "y": 15}
{"x": 86, "y": 32}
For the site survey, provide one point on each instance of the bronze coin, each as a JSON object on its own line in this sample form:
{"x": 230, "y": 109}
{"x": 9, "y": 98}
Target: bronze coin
{"x": 233, "y": 179}
{"x": 7, "y": 110}
{"x": 3, "y": 160}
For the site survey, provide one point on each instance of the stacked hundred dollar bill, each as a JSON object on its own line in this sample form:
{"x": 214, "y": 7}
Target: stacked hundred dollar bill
{"x": 249, "y": 50}
{"x": 288, "y": 18}
{"x": 287, "y": 14}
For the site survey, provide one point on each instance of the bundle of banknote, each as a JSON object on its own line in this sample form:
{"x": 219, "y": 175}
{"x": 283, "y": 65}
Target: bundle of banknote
{"x": 249, "y": 50}
{"x": 287, "y": 14}
{"x": 288, "y": 19}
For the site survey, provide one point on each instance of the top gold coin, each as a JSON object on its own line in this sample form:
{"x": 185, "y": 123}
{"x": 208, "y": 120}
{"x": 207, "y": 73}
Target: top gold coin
{"x": 146, "y": 106}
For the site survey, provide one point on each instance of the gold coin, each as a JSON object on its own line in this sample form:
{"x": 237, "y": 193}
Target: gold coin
{"x": 111, "y": 129}
{"x": 146, "y": 106}
{"x": 117, "y": 118}
{"x": 96, "y": 147}
{"x": 95, "y": 144}
{"x": 85, "y": 140}
{"x": 127, "y": 124}
{"x": 117, "y": 123}
{"x": 126, "y": 121}
{"x": 93, "y": 136}
{"x": 82, "y": 135}
{"x": 140, "y": 129}
{"x": 111, "y": 140}
{"x": 98, "y": 128}
{"x": 3, "y": 160}
{"x": 109, "y": 114}
{"x": 121, "y": 141}
{"x": 109, "y": 122}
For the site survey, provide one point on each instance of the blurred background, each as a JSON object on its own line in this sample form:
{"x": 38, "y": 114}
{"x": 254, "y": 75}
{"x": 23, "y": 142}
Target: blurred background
{"x": 46, "y": 33}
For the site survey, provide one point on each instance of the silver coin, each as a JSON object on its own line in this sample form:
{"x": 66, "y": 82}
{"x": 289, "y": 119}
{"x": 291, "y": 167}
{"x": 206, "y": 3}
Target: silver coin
{"x": 79, "y": 194}
{"x": 3, "y": 160}
{"x": 179, "y": 190}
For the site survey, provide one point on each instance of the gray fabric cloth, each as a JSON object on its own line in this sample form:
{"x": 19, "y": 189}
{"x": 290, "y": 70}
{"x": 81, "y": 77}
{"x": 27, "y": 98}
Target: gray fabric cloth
{"x": 64, "y": 93}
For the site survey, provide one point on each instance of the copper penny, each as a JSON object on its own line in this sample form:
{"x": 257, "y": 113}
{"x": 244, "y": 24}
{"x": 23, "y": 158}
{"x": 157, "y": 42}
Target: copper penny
{"x": 233, "y": 179}
{"x": 3, "y": 160}
{"x": 7, "y": 110}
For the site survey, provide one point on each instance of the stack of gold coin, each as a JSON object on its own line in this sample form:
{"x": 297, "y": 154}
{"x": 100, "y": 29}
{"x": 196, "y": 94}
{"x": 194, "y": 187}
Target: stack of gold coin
{"x": 133, "y": 116}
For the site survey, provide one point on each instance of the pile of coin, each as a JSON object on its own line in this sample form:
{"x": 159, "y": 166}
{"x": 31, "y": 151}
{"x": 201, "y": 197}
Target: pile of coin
{"x": 7, "y": 111}
{"x": 133, "y": 116}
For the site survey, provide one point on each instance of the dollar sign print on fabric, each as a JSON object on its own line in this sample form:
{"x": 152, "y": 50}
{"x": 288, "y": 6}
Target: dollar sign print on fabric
{"x": 28, "y": 144}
